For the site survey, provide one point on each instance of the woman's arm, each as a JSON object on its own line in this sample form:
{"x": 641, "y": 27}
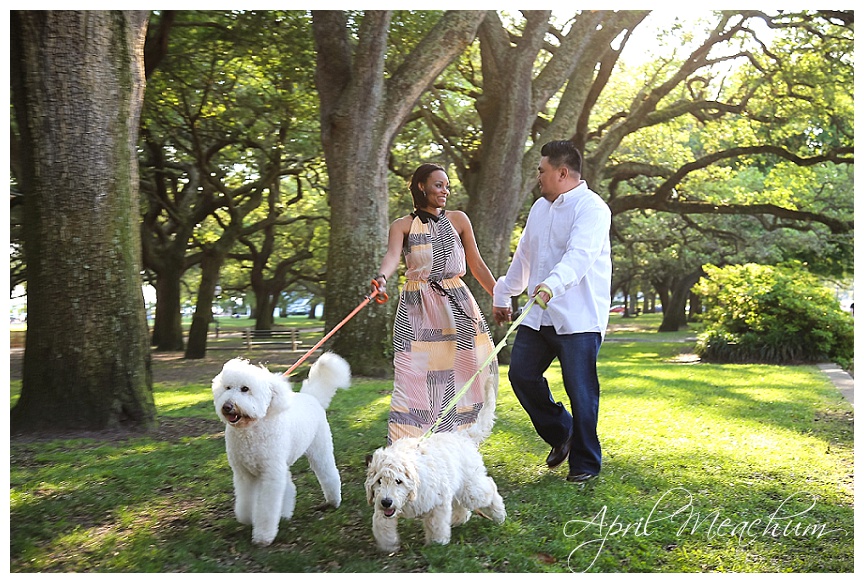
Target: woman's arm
{"x": 475, "y": 262}
{"x": 395, "y": 240}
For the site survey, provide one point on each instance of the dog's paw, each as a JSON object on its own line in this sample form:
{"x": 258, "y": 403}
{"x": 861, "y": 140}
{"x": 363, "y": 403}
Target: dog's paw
{"x": 389, "y": 549}
{"x": 499, "y": 516}
{"x": 262, "y": 539}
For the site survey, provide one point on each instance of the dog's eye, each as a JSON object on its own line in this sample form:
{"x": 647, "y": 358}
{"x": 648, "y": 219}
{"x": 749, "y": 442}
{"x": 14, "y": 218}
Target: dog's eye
{"x": 398, "y": 481}
{"x": 244, "y": 389}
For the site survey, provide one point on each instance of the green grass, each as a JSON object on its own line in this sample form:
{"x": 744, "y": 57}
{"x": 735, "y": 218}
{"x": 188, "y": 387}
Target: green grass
{"x": 734, "y": 468}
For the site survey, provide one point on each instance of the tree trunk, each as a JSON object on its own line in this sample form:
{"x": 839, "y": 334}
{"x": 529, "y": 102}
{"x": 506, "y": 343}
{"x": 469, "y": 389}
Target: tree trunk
{"x": 675, "y": 314}
{"x": 77, "y": 90}
{"x": 695, "y": 307}
{"x": 361, "y": 112}
{"x": 168, "y": 323}
{"x": 502, "y": 173}
{"x": 265, "y": 303}
{"x": 211, "y": 264}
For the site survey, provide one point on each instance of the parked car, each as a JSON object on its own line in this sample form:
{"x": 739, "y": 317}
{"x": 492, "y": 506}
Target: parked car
{"x": 298, "y": 308}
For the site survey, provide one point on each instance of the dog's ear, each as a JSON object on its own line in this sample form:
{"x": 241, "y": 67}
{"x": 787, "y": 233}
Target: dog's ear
{"x": 280, "y": 392}
{"x": 371, "y": 478}
{"x": 412, "y": 480}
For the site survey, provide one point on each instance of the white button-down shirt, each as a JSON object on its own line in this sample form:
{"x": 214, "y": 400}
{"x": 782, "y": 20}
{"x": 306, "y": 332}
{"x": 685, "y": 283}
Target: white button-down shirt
{"x": 565, "y": 245}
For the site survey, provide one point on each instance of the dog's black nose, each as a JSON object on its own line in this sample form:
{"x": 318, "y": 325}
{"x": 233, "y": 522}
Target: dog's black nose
{"x": 386, "y": 502}
{"x": 227, "y": 408}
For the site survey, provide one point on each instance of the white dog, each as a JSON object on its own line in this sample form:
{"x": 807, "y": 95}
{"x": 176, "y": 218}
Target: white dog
{"x": 440, "y": 478}
{"x": 267, "y": 428}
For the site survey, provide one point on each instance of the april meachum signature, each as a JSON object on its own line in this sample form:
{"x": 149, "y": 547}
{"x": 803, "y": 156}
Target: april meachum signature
{"x": 676, "y": 506}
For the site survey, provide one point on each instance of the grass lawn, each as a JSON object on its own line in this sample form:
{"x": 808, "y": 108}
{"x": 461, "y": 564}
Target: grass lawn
{"x": 707, "y": 468}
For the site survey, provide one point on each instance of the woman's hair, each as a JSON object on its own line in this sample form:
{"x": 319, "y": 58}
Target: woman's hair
{"x": 420, "y": 176}
{"x": 563, "y": 153}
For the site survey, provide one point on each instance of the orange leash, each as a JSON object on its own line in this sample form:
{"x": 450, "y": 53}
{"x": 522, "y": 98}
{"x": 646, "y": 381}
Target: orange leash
{"x": 379, "y": 297}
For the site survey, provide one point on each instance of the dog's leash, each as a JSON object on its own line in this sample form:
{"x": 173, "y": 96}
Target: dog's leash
{"x": 498, "y": 347}
{"x": 379, "y": 297}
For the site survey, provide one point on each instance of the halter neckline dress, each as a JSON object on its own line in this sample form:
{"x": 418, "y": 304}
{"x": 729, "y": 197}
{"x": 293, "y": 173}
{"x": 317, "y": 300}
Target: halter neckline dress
{"x": 440, "y": 337}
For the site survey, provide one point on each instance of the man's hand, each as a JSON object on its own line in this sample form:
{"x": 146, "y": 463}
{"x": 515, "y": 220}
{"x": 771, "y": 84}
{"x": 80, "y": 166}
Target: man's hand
{"x": 542, "y": 295}
{"x": 501, "y": 315}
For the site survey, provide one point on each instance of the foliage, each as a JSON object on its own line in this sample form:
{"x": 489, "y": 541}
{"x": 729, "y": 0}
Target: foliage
{"x": 735, "y": 437}
{"x": 759, "y": 313}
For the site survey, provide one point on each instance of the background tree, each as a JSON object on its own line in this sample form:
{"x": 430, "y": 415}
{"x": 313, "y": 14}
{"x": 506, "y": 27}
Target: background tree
{"x": 77, "y": 79}
{"x": 283, "y": 255}
{"x": 230, "y": 112}
{"x": 365, "y": 100}
{"x": 779, "y": 98}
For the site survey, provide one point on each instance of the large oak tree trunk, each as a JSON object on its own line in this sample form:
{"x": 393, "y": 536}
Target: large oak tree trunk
{"x": 361, "y": 112}
{"x": 77, "y": 87}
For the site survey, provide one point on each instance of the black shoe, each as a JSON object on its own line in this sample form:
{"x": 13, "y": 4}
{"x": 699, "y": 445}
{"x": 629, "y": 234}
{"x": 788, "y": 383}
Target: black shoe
{"x": 559, "y": 453}
{"x": 580, "y": 478}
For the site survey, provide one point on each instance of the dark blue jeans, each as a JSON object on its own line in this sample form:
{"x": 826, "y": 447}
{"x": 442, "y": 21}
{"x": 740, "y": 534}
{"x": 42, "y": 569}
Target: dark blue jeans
{"x": 533, "y": 352}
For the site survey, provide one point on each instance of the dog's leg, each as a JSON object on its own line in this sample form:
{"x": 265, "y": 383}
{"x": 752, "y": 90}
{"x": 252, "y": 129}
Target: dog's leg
{"x": 289, "y": 499}
{"x": 461, "y": 515}
{"x": 494, "y": 504}
{"x": 268, "y": 510}
{"x": 244, "y": 496}
{"x": 436, "y": 524}
{"x": 323, "y": 465}
{"x": 386, "y": 532}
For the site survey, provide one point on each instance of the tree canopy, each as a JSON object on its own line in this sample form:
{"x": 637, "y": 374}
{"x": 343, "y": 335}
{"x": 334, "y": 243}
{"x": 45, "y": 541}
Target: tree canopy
{"x": 274, "y": 147}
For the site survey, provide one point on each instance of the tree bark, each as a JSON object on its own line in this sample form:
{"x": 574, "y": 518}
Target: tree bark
{"x": 211, "y": 265}
{"x": 361, "y": 112}
{"x": 78, "y": 82}
{"x": 675, "y": 312}
{"x": 168, "y": 322}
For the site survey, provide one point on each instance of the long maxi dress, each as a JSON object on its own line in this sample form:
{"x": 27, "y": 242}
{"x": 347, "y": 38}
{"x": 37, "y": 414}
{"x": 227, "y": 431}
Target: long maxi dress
{"x": 440, "y": 337}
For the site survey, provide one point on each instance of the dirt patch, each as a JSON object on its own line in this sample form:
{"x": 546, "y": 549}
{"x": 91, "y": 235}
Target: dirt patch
{"x": 170, "y": 429}
{"x": 171, "y": 367}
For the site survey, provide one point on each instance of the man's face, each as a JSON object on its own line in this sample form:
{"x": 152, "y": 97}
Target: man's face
{"x": 547, "y": 177}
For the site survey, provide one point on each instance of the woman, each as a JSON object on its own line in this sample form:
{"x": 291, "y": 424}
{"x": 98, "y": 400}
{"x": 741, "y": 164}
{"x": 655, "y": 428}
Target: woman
{"x": 440, "y": 337}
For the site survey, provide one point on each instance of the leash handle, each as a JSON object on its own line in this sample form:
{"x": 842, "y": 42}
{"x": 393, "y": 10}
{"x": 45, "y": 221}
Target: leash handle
{"x": 380, "y": 296}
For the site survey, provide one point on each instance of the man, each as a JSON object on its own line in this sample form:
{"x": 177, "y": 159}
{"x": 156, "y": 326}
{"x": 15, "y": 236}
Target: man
{"x": 564, "y": 257}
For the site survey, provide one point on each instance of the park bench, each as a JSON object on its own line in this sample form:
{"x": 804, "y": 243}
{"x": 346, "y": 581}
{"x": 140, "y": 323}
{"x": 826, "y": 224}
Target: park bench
{"x": 271, "y": 338}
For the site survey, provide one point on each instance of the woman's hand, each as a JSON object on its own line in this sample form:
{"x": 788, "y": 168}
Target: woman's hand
{"x": 501, "y": 315}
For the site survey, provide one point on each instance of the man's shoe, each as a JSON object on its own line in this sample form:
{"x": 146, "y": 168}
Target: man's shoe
{"x": 559, "y": 453}
{"x": 580, "y": 478}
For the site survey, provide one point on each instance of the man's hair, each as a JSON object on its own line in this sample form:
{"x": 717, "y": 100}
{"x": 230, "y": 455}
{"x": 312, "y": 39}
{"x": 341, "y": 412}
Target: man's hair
{"x": 563, "y": 153}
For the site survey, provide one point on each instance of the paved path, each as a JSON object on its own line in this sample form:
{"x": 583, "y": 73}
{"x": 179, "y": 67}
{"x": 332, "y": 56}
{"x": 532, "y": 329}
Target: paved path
{"x": 841, "y": 379}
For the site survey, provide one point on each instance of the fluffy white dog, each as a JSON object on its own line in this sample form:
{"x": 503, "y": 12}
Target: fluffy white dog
{"x": 440, "y": 479}
{"x": 267, "y": 428}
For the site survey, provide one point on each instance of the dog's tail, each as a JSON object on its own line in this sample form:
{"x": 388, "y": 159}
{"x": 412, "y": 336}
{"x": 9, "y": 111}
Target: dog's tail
{"x": 482, "y": 428}
{"x": 329, "y": 373}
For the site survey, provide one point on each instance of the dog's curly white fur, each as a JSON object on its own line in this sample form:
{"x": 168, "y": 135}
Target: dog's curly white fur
{"x": 440, "y": 478}
{"x": 267, "y": 428}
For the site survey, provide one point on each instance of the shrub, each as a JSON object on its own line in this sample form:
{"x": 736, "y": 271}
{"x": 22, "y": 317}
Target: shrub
{"x": 774, "y": 315}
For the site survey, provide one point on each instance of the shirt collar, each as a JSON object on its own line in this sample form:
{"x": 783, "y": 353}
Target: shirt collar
{"x": 427, "y": 216}
{"x": 571, "y": 193}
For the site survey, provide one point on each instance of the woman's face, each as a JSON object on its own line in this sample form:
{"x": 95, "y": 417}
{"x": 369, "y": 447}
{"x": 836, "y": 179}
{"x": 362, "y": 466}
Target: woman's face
{"x": 436, "y": 189}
